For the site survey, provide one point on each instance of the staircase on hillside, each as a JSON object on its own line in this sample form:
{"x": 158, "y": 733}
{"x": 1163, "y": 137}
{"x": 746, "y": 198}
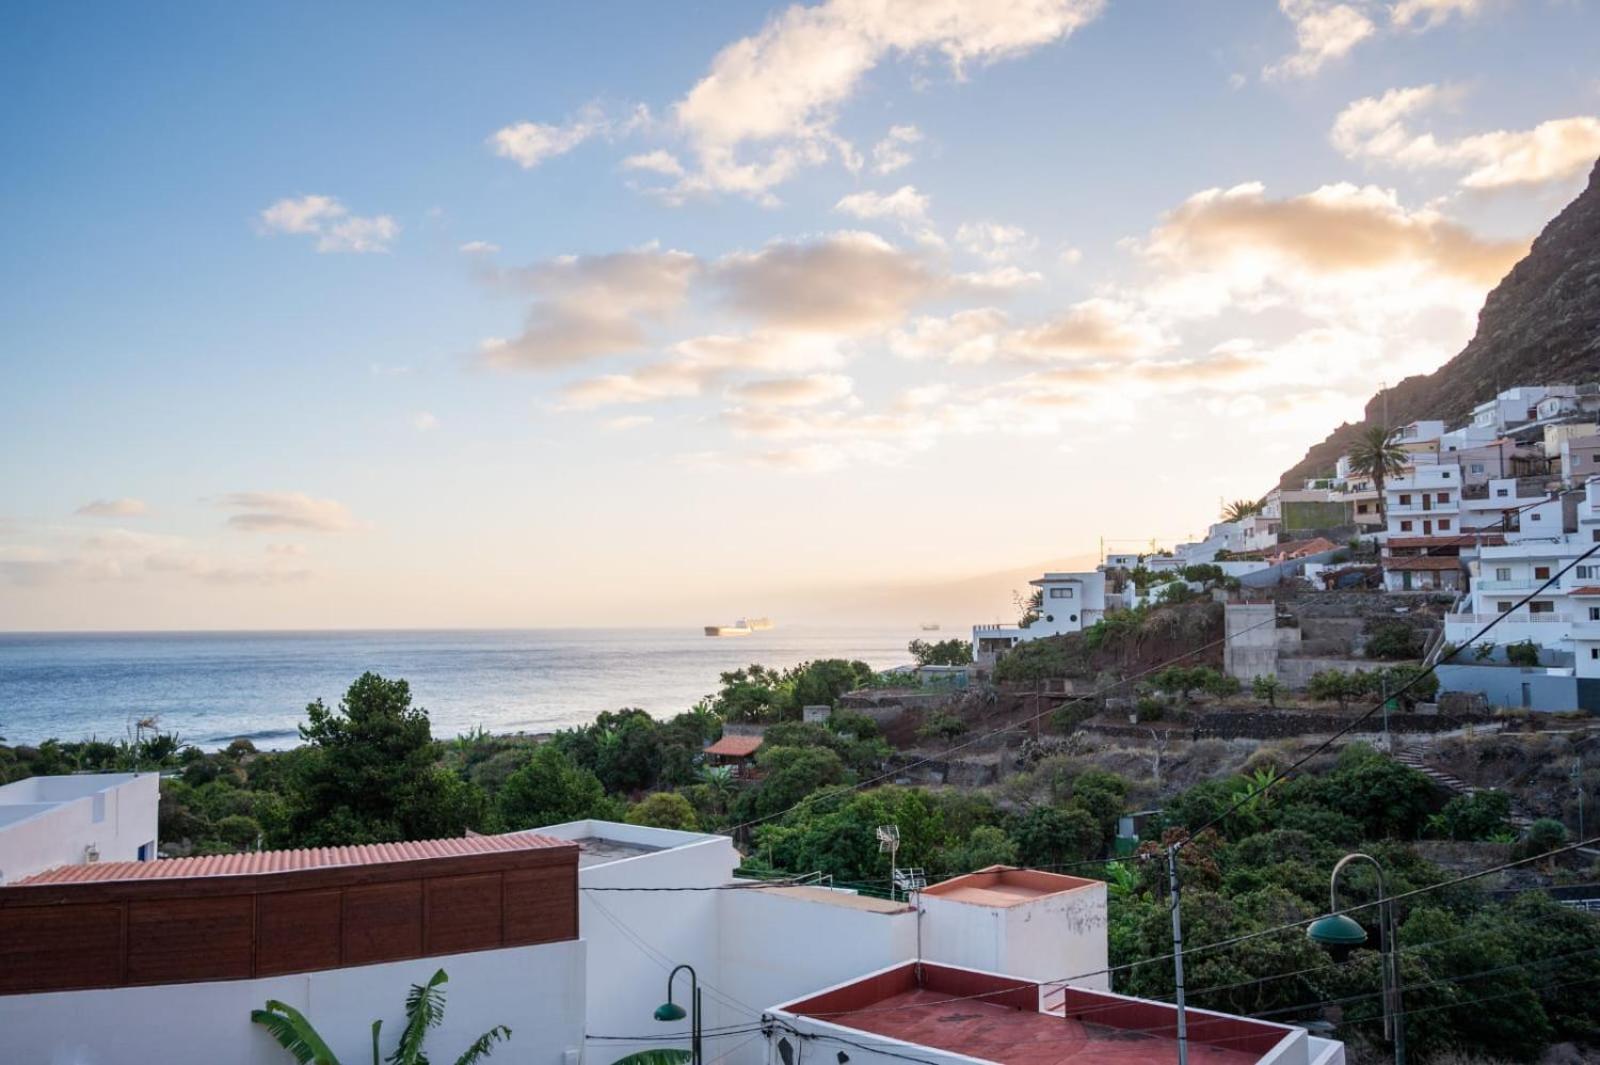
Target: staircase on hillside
{"x": 1413, "y": 754}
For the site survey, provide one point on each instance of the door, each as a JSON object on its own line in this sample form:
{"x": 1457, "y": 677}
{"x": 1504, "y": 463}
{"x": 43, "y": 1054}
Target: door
{"x": 1527, "y": 695}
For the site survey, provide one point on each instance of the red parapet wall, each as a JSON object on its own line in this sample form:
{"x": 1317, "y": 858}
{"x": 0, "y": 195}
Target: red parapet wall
{"x": 119, "y": 933}
{"x": 957, "y": 983}
{"x": 1160, "y": 1018}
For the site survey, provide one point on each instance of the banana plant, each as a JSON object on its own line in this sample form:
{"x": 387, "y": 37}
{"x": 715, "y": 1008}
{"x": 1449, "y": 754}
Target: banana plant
{"x": 424, "y": 1011}
{"x": 664, "y": 1056}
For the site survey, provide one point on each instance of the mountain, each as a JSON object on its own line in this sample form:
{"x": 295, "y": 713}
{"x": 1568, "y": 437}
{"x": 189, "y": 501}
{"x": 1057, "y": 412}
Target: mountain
{"x": 1540, "y": 325}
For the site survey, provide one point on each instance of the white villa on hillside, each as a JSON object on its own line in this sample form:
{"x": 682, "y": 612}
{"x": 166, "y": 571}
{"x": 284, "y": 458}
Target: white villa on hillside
{"x": 1070, "y": 602}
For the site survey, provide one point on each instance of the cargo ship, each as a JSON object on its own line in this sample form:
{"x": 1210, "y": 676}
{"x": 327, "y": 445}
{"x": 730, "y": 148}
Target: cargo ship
{"x": 738, "y": 628}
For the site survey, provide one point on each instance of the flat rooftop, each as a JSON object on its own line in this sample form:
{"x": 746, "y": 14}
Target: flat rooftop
{"x": 981, "y": 1029}
{"x": 596, "y": 850}
{"x": 1002, "y": 885}
{"x": 845, "y": 899}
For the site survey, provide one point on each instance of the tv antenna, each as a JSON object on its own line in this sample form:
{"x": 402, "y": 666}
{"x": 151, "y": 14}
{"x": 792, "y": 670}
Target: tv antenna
{"x": 889, "y": 843}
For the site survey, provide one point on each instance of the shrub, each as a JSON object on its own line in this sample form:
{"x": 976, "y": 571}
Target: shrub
{"x": 1266, "y": 689}
{"x": 942, "y": 726}
{"x": 1524, "y": 653}
{"x": 1393, "y": 640}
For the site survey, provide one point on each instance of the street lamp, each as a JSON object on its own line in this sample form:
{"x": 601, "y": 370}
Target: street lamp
{"x": 1340, "y": 931}
{"x": 671, "y": 1011}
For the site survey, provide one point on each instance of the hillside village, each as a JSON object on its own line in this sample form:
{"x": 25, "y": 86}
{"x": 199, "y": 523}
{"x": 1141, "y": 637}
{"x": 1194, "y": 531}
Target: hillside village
{"x": 1445, "y": 529}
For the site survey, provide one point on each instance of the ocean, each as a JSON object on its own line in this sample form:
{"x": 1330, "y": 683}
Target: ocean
{"x": 211, "y": 687}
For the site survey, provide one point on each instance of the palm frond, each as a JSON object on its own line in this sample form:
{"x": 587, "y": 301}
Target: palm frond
{"x": 663, "y": 1056}
{"x": 424, "y": 1010}
{"x": 294, "y": 1033}
{"x": 483, "y": 1044}
{"x": 377, "y": 1026}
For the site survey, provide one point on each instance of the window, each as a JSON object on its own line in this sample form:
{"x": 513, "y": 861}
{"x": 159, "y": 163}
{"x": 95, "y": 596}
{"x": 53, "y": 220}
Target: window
{"x": 1405, "y": 526}
{"x": 1586, "y": 572}
{"x": 1061, "y": 593}
{"x": 1541, "y": 608}
{"x": 1444, "y": 524}
{"x": 1361, "y": 508}
{"x": 1405, "y": 499}
{"x": 1594, "y": 652}
{"x": 1445, "y": 474}
{"x": 1541, "y": 573}
{"x": 1502, "y": 492}
{"x": 1536, "y": 516}
{"x": 1477, "y": 467}
{"x": 1503, "y": 606}
{"x": 1443, "y": 497}
{"x": 1594, "y": 613}
{"x": 1502, "y": 573}
{"x": 1597, "y": 536}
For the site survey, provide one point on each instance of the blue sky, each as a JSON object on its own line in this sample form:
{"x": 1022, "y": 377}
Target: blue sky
{"x": 390, "y": 315}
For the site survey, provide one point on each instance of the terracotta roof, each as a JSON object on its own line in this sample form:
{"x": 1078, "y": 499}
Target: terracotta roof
{"x": 1465, "y": 540}
{"x": 1300, "y": 548}
{"x": 1424, "y": 562}
{"x": 1587, "y": 589}
{"x": 735, "y": 746}
{"x": 251, "y": 862}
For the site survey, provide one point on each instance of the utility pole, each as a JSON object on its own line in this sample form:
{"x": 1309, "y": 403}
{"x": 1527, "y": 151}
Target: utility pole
{"x": 1177, "y": 954}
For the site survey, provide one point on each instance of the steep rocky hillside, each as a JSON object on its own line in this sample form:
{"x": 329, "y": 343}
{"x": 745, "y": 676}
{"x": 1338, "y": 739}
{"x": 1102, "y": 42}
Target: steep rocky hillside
{"x": 1540, "y": 325}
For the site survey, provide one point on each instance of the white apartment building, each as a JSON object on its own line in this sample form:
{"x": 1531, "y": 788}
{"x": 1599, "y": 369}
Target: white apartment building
{"x": 47, "y": 822}
{"x": 1580, "y": 459}
{"x": 1514, "y": 406}
{"x": 1424, "y": 502}
{"x": 1070, "y": 602}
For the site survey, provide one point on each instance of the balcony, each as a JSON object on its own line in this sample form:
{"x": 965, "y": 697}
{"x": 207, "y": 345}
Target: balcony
{"x": 1448, "y": 510}
{"x": 1515, "y": 619}
{"x": 1524, "y": 585}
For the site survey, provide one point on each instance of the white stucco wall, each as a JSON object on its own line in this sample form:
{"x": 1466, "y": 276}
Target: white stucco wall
{"x": 1053, "y": 938}
{"x": 536, "y": 991}
{"x": 51, "y": 821}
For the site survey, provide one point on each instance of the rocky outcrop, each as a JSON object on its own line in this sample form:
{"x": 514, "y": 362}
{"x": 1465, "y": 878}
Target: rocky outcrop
{"x": 1540, "y": 325}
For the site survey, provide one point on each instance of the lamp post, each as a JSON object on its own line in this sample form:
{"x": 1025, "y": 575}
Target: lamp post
{"x": 671, "y": 1011}
{"x": 1338, "y": 930}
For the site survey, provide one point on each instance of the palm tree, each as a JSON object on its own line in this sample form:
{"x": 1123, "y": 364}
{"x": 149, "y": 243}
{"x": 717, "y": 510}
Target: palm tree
{"x": 1376, "y": 455}
{"x": 1240, "y": 509}
{"x": 424, "y": 1011}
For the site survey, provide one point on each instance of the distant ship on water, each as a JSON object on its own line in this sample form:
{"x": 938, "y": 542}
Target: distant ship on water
{"x": 742, "y": 627}
{"x": 930, "y": 626}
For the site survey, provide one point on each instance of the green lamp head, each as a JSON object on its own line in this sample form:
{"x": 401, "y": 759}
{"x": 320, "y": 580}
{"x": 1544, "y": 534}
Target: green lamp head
{"x": 670, "y": 1011}
{"x": 1336, "y": 930}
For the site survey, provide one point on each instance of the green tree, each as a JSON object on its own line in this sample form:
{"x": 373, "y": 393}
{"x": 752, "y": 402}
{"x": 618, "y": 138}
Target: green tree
{"x": 1393, "y": 639}
{"x": 1050, "y": 835}
{"x": 986, "y": 845}
{"x": 951, "y": 652}
{"x": 1376, "y": 455}
{"x": 424, "y": 1012}
{"x": 1523, "y": 653}
{"x": 1479, "y": 816}
{"x": 664, "y": 809}
{"x": 550, "y": 789}
{"x": 789, "y": 774}
{"x": 369, "y": 773}
{"x": 1266, "y": 688}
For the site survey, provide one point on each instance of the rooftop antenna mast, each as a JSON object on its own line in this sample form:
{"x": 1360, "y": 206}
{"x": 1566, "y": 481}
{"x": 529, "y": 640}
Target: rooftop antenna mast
{"x": 889, "y": 843}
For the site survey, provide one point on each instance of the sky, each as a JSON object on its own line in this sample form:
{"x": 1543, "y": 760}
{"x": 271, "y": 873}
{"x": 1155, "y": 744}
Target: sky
{"x": 519, "y": 314}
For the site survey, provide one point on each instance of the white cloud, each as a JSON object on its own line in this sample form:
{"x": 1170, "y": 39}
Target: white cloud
{"x": 1426, "y": 14}
{"x": 423, "y": 421}
{"x": 890, "y": 153}
{"x": 530, "y": 143}
{"x": 994, "y": 242}
{"x": 648, "y": 384}
{"x": 478, "y": 247}
{"x": 626, "y": 422}
{"x": 904, "y": 203}
{"x": 659, "y": 161}
{"x": 336, "y": 229}
{"x": 1555, "y": 150}
{"x": 808, "y": 391}
{"x": 113, "y": 508}
{"x": 1099, "y": 328}
{"x": 276, "y": 511}
{"x": 591, "y": 305}
{"x": 1324, "y": 31}
{"x": 782, "y": 88}
{"x": 1000, "y": 278}
{"x": 843, "y": 283}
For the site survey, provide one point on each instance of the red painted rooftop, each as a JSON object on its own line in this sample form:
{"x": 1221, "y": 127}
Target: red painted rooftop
{"x": 735, "y": 746}
{"x": 1464, "y": 540}
{"x": 992, "y": 1031}
{"x": 250, "y": 862}
{"x": 1587, "y": 589}
{"x": 1424, "y": 562}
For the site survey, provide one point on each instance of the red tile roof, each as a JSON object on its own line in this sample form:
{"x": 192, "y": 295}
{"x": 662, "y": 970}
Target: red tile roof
{"x": 251, "y": 862}
{"x": 1587, "y": 589}
{"x": 735, "y": 746}
{"x": 1422, "y": 562}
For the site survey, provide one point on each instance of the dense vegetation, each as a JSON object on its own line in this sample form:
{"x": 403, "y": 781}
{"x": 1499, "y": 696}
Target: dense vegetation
{"x": 370, "y": 769}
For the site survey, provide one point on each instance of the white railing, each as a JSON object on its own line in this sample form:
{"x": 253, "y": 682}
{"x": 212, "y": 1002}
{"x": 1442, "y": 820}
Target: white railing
{"x": 1512, "y": 619}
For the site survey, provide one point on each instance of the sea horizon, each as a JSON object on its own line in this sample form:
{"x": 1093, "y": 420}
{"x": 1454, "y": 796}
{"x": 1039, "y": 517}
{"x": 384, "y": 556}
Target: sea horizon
{"x": 212, "y": 686}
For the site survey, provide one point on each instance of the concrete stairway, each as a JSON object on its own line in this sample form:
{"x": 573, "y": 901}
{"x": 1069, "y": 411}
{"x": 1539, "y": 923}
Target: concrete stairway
{"x": 1414, "y": 754}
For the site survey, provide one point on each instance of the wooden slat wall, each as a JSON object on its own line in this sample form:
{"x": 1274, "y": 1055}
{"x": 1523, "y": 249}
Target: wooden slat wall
{"x": 113, "y": 934}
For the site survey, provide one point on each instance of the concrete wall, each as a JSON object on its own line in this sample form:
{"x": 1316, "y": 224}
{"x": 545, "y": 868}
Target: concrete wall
{"x": 536, "y": 991}
{"x": 51, "y": 821}
{"x": 1251, "y": 650}
{"x": 1295, "y": 673}
{"x": 1503, "y": 686}
{"x": 1284, "y": 570}
{"x": 1058, "y": 937}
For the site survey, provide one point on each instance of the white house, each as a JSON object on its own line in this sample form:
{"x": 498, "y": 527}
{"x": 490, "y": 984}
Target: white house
{"x": 1070, "y": 602}
{"x": 1514, "y": 406}
{"x": 1424, "y": 502}
{"x": 47, "y": 822}
{"x": 1580, "y": 459}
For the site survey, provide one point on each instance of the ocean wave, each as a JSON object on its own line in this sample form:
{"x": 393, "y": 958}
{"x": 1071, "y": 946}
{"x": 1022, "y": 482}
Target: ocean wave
{"x": 260, "y": 734}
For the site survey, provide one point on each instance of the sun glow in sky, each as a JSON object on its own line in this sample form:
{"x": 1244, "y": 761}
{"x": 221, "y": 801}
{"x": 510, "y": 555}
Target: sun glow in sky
{"x": 649, "y": 313}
